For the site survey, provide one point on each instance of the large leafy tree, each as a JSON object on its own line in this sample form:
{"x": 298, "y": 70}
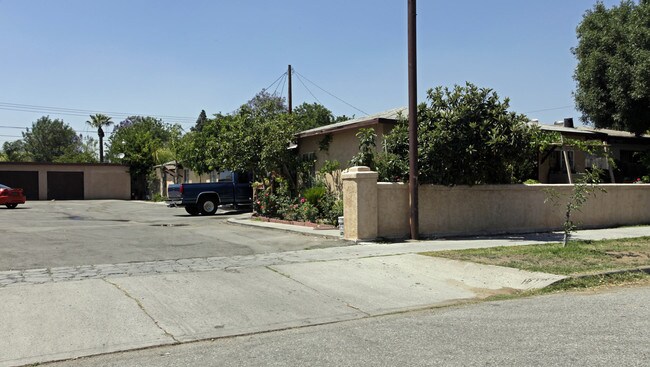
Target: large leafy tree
{"x": 136, "y": 141}
{"x": 141, "y": 143}
{"x": 15, "y": 151}
{"x": 309, "y": 116}
{"x": 200, "y": 121}
{"x": 613, "y": 71}
{"x": 200, "y": 149}
{"x": 98, "y": 121}
{"x": 54, "y": 141}
{"x": 255, "y": 138}
{"x": 466, "y": 136}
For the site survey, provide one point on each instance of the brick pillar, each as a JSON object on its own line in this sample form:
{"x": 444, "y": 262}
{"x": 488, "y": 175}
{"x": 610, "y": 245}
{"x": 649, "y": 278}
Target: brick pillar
{"x": 360, "y": 203}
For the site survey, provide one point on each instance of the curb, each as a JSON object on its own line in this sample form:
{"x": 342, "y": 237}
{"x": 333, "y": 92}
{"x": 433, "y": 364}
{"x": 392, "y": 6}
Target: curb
{"x": 250, "y": 223}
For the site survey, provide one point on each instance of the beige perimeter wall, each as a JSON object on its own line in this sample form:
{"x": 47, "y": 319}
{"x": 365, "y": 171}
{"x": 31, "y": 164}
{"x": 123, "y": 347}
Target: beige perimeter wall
{"x": 484, "y": 209}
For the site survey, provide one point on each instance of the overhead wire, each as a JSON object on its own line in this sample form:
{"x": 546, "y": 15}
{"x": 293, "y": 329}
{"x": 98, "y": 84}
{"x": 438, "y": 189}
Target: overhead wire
{"x": 82, "y": 112}
{"x": 284, "y": 81}
{"x": 275, "y": 81}
{"x": 308, "y": 90}
{"x": 551, "y": 109}
{"x": 319, "y": 87}
{"x": 275, "y": 92}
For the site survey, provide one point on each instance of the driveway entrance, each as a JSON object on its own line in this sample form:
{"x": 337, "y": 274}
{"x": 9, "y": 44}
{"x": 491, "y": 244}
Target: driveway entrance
{"x": 44, "y": 234}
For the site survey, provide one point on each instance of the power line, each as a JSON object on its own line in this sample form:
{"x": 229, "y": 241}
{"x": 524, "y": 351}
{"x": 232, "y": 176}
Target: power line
{"x": 275, "y": 92}
{"x": 308, "y": 90}
{"x": 317, "y": 86}
{"x": 284, "y": 81}
{"x": 276, "y": 80}
{"x": 79, "y": 112}
{"x": 551, "y": 109}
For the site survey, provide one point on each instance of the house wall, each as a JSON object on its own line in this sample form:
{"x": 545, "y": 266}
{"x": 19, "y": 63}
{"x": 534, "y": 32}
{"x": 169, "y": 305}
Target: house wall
{"x": 343, "y": 146}
{"x": 483, "y": 209}
{"x": 560, "y": 175}
{"x": 101, "y": 181}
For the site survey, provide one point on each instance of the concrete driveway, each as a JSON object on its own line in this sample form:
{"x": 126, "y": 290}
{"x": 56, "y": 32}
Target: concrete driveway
{"x": 44, "y": 234}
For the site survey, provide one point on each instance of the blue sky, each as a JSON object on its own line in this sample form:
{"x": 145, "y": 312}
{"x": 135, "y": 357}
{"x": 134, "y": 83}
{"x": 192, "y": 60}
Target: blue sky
{"x": 174, "y": 58}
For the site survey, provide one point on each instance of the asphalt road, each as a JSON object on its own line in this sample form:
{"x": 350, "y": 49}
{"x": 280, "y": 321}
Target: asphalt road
{"x": 593, "y": 328}
{"x": 44, "y": 234}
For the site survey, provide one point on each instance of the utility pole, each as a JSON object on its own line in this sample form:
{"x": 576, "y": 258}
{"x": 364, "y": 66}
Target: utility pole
{"x": 289, "y": 93}
{"x": 413, "y": 123}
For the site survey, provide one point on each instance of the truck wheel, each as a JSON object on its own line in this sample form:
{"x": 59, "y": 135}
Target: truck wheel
{"x": 208, "y": 206}
{"x": 192, "y": 210}
{"x": 11, "y": 206}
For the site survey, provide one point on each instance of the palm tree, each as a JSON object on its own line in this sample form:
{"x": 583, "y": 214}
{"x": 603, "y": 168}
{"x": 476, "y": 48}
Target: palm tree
{"x": 98, "y": 120}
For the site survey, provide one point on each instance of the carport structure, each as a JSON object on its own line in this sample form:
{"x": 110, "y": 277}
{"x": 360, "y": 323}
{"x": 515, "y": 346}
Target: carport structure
{"x": 67, "y": 181}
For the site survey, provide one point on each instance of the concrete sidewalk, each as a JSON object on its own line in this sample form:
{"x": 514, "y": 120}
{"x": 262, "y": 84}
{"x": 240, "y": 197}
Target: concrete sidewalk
{"x": 48, "y": 317}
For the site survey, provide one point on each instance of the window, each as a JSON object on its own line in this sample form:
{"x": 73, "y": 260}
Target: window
{"x": 225, "y": 176}
{"x": 558, "y": 164}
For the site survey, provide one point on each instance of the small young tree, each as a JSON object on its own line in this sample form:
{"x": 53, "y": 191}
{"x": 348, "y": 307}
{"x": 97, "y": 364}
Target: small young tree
{"x": 585, "y": 186}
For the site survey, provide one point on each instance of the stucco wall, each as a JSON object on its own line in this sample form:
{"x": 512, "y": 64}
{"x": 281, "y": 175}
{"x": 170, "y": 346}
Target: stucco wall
{"x": 489, "y": 209}
{"x": 382, "y": 209}
{"x": 343, "y": 146}
{"x": 101, "y": 181}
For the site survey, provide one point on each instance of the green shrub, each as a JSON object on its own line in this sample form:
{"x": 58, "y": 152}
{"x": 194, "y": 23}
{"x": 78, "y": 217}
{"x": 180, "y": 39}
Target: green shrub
{"x": 307, "y": 212}
{"x": 314, "y": 194}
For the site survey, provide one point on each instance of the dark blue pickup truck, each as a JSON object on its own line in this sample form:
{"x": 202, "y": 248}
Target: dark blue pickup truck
{"x": 231, "y": 188}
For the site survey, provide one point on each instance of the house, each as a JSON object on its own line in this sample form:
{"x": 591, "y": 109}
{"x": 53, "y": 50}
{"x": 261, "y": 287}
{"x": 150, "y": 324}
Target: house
{"x": 623, "y": 147}
{"x": 339, "y": 142}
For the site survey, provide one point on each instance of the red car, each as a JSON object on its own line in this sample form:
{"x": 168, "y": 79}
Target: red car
{"x": 11, "y": 197}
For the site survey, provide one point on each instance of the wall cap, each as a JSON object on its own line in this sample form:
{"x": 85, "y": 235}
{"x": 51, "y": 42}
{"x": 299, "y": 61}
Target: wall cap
{"x": 359, "y": 173}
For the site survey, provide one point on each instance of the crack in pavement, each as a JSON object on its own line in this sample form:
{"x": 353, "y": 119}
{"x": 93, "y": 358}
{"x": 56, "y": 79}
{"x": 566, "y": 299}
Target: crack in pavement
{"x": 317, "y": 291}
{"x": 141, "y": 306}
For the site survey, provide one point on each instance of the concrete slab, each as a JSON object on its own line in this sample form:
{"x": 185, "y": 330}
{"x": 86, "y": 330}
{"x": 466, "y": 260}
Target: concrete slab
{"x": 54, "y": 321}
{"x": 238, "y": 301}
{"x": 394, "y": 283}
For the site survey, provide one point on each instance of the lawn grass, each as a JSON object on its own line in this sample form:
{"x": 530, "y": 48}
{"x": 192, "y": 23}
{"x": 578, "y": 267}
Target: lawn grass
{"x": 579, "y": 257}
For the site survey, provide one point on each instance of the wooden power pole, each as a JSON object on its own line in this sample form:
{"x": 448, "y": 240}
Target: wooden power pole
{"x": 289, "y": 92}
{"x": 413, "y": 123}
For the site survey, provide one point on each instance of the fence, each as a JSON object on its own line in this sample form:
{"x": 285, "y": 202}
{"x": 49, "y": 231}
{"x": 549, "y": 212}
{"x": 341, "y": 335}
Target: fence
{"x": 375, "y": 210}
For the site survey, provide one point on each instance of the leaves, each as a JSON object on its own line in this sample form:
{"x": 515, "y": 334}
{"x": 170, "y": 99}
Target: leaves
{"x": 466, "y": 136}
{"x": 140, "y": 142}
{"x": 613, "y": 71}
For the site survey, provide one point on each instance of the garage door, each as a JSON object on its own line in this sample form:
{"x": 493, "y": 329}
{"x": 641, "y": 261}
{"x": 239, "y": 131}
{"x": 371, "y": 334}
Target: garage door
{"x": 65, "y": 185}
{"x": 26, "y": 180}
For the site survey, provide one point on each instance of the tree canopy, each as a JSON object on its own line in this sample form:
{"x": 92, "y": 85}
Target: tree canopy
{"x": 613, "y": 71}
{"x": 256, "y": 138}
{"x": 15, "y": 151}
{"x": 138, "y": 141}
{"x": 466, "y": 136}
{"x": 55, "y": 141}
